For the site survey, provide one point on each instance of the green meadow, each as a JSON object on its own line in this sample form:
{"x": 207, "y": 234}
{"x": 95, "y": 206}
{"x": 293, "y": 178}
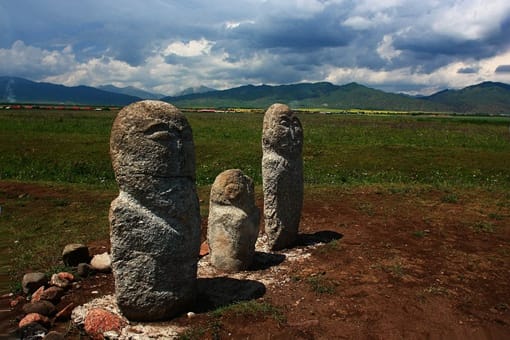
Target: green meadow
{"x": 72, "y": 147}
{"x": 65, "y": 155}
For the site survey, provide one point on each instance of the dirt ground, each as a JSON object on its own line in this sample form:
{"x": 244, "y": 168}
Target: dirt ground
{"x": 398, "y": 264}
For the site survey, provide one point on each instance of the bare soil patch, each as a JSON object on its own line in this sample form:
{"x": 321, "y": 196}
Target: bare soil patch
{"x": 407, "y": 264}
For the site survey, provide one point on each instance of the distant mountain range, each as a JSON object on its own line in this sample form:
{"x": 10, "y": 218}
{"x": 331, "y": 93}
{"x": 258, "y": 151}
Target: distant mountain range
{"x": 19, "y": 90}
{"x": 487, "y": 97}
{"x": 195, "y": 90}
{"x": 306, "y": 95}
{"x": 131, "y": 91}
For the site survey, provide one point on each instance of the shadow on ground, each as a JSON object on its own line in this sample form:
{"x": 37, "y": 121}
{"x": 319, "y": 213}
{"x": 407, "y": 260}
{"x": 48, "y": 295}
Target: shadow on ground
{"x": 262, "y": 260}
{"x": 323, "y": 236}
{"x": 217, "y": 292}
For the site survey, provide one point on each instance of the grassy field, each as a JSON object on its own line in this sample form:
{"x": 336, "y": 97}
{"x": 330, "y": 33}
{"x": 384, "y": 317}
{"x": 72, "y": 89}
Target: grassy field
{"x": 65, "y": 155}
{"x": 72, "y": 147}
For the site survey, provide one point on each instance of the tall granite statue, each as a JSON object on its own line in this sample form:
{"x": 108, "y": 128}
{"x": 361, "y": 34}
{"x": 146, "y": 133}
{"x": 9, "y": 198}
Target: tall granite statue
{"x": 282, "y": 175}
{"x": 233, "y": 224}
{"x": 155, "y": 220}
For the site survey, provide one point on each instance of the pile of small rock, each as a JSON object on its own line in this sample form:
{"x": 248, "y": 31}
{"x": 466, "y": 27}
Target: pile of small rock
{"x": 43, "y": 294}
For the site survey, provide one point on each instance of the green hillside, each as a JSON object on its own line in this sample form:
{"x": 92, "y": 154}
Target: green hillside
{"x": 19, "y": 90}
{"x": 307, "y": 95}
{"x": 487, "y": 97}
{"x": 361, "y": 97}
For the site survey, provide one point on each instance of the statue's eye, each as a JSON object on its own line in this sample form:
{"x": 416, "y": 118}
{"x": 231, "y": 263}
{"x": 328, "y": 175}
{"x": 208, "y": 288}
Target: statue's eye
{"x": 285, "y": 122}
{"x": 157, "y": 131}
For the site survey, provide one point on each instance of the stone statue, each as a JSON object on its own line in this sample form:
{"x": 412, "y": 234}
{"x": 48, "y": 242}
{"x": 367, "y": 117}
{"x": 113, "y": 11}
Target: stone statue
{"x": 233, "y": 224}
{"x": 155, "y": 220}
{"x": 282, "y": 175}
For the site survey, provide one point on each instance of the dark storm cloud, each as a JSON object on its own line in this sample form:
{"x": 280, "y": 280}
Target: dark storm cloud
{"x": 296, "y": 34}
{"x": 126, "y": 30}
{"x": 437, "y": 44}
{"x": 468, "y": 70}
{"x": 503, "y": 69}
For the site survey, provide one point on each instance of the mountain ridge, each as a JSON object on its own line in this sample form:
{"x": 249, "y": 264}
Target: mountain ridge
{"x": 131, "y": 91}
{"x": 306, "y": 95}
{"x": 194, "y": 90}
{"x": 485, "y": 98}
{"x": 20, "y": 90}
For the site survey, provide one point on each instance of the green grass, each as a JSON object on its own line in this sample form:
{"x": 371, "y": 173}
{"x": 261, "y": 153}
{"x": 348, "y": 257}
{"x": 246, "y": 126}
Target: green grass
{"x": 450, "y": 198}
{"x": 36, "y": 226}
{"x": 321, "y": 285}
{"x": 71, "y": 147}
{"x": 396, "y": 269}
{"x": 483, "y": 227}
{"x": 329, "y": 247}
{"x": 56, "y": 146}
{"x": 208, "y": 330}
{"x": 419, "y": 233}
{"x": 250, "y": 309}
{"x": 226, "y": 141}
{"x": 368, "y": 149}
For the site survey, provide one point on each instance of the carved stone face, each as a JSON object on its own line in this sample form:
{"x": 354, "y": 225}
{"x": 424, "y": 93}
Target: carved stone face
{"x": 232, "y": 187}
{"x": 153, "y": 139}
{"x": 282, "y": 131}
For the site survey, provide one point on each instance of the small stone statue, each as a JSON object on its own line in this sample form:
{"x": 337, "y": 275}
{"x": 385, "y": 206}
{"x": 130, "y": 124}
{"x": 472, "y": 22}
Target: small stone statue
{"x": 155, "y": 220}
{"x": 233, "y": 224}
{"x": 282, "y": 175}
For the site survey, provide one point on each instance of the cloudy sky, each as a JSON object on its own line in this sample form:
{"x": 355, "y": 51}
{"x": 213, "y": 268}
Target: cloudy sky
{"x": 413, "y": 46}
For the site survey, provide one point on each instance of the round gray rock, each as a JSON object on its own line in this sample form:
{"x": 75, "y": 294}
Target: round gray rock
{"x": 84, "y": 269}
{"x": 32, "y": 281}
{"x": 74, "y": 254}
{"x": 52, "y": 294}
{"x": 101, "y": 262}
{"x": 54, "y": 335}
{"x": 42, "y": 307}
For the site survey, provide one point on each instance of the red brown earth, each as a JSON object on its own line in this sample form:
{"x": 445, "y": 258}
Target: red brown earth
{"x": 408, "y": 265}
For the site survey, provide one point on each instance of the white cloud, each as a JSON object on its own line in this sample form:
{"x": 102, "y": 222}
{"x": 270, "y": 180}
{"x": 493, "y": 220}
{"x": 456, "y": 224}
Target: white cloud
{"x": 386, "y": 50}
{"x": 471, "y": 19}
{"x": 153, "y": 74}
{"x": 374, "y": 6}
{"x": 96, "y": 71}
{"x": 235, "y": 24}
{"x": 25, "y": 60}
{"x": 367, "y": 21}
{"x": 358, "y": 23}
{"x": 192, "y": 48}
{"x": 444, "y": 77}
{"x": 232, "y": 24}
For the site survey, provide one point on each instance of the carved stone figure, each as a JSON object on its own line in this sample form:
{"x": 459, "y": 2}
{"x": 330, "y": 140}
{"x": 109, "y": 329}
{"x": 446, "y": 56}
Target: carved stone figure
{"x": 233, "y": 224}
{"x": 155, "y": 220}
{"x": 282, "y": 175}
